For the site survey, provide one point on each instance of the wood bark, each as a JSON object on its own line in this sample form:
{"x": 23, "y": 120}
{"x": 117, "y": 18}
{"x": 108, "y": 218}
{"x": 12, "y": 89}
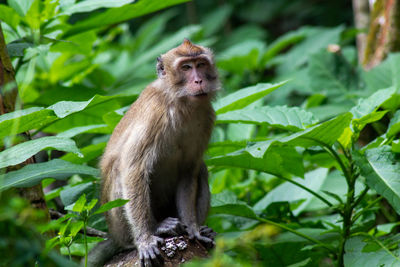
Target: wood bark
{"x": 361, "y": 22}
{"x": 8, "y": 100}
{"x": 384, "y": 32}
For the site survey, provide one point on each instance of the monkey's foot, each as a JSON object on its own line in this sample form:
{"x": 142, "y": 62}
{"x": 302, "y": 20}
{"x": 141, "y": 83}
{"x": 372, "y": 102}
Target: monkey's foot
{"x": 207, "y": 232}
{"x": 205, "y": 240}
{"x": 170, "y": 227}
{"x": 149, "y": 254}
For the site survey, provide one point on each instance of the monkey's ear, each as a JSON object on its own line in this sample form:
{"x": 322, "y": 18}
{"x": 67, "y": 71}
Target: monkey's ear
{"x": 160, "y": 67}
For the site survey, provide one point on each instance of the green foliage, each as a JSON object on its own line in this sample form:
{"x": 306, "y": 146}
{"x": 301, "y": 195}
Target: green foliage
{"x": 303, "y": 160}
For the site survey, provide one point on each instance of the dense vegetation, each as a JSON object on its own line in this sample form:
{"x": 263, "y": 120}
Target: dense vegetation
{"x": 303, "y": 161}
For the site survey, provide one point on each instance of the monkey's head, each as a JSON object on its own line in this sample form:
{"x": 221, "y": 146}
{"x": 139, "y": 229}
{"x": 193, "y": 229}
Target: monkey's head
{"x": 189, "y": 70}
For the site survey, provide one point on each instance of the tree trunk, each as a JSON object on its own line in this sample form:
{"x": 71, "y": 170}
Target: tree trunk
{"x": 8, "y": 100}
{"x": 361, "y": 21}
{"x": 384, "y": 32}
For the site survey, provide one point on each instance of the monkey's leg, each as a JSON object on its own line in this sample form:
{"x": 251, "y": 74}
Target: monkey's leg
{"x": 187, "y": 197}
{"x": 140, "y": 216}
{"x": 203, "y": 204}
{"x": 170, "y": 227}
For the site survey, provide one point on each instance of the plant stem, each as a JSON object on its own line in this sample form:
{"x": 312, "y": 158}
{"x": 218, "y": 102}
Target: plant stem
{"x": 309, "y": 238}
{"x": 350, "y": 176}
{"x": 85, "y": 241}
{"x": 327, "y": 202}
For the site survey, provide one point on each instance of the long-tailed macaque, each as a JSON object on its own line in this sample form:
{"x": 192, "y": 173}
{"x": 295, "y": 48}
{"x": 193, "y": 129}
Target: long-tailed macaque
{"x": 154, "y": 156}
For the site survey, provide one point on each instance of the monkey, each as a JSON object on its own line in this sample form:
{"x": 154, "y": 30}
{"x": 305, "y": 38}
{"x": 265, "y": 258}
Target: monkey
{"x": 154, "y": 157}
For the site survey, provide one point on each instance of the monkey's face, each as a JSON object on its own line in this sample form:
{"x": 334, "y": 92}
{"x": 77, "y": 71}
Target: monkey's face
{"x": 197, "y": 77}
{"x": 190, "y": 71}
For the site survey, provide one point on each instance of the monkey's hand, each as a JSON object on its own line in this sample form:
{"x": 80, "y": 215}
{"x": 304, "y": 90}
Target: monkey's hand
{"x": 149, "y": 254}
{"x": 193, "y": 233}
{"x": 170, "y": 227}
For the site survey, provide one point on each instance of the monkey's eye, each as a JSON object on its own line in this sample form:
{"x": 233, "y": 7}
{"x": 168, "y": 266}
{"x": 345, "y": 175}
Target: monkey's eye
{"x": 201, "y": 64}
{"x": 186, "y": 67}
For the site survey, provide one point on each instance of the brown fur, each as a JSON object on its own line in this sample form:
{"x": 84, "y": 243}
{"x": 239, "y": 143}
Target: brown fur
{"x": 154, "y": 156}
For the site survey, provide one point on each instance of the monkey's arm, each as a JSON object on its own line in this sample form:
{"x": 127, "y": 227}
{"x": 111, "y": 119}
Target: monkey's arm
{"x": 135, "y": 187}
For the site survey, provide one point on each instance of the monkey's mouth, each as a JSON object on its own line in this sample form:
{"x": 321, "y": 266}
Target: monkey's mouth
{"x": 201, "y": 95}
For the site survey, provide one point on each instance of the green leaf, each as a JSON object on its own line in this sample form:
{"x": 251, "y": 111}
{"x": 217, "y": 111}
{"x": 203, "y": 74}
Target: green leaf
{"x": 394, "y": 125}
{"x": 385, "y": 74}
{"x": 292, "y": 119}
{"x": 331, "y": 73}
{"x": 280, "y": 160}
{"x": 227, "y": 203}
{"x": 112, "y": 204}
{"x": 120, "y": 14}
{"x": 23, "y": 120}
{"x": 9, "y": 16}
{"x": 324, "y": 133}
{"x": 216, "y": 19}
{"x": 359, "y": 124}
{"x": 355, "y": 255}
{"x": 79, "y": 204}
{"x": 241, "y": 56}
{"x": 96, "y": 128}
{"x": 382, "y": 172}
{"x": 90, "y": 5}
{"x": 21, "y": 6}
{"x": 372, "y": 103}
{"x": 75, "y": 228}
{"x": 32, "y": 174}
{"x": 291, "y": 193}
{"x": 244, "y": 97}
{"x": 89, "y": 153}
{"x": 21, "y": 152}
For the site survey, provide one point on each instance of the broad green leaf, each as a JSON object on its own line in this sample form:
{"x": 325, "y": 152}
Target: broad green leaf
{"x": 324, "y": 133}
{"x": 35, "y": 118}
{"x": 23, "y": 151}
{"x": 280, "y": 160}
{"x": 332, "y": 74}
{"x": 82, "y": 113}
{"x": 241, "y": 56}
{"x": 32, "y": 174}
{"x": 396, "y": 146}
{"x": 227, "y": 203}
{"x": 355, "y": 254}
{"x": 70, "y": 194}
{"x": 394, "y": 125}
{"x": 9, "y": 16}
{"x": 79, "y": 204}
{"x": 281, "y": 43}
{"x": 215, "y": 20}
{"x": 382, "y": 172}
{"x": 292, "y": 119}
{"x": 17, "y": 49}
{"x": 96, "y": 128}
{"x": 21, "y": 6}
{"x": 385, "y": 74}
{"x": 90, "y": 5}
{"x": 112, "y": 204}
{"x": 291, "y": 193}
{"x": 23, "y": 120}
{"x": 370, "y": 104}
{"x": 317, "y": 38}
{"x": 120, "y": 14}
{"x": 244, "y": 97}
{"x": 89, "y": 153}
{"x": 166, "y": 44}
{"x": 359, "y": 124}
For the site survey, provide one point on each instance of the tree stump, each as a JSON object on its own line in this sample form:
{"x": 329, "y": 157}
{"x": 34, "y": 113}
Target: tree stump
{"x": 174, "y": 250}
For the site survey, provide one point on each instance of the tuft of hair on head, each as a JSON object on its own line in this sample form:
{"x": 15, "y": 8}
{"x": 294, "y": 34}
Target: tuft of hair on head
{"x": 187, "y": 48}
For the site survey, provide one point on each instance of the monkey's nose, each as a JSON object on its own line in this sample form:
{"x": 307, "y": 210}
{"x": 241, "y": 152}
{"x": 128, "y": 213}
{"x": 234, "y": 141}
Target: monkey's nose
{"x": 198, "y": 81}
